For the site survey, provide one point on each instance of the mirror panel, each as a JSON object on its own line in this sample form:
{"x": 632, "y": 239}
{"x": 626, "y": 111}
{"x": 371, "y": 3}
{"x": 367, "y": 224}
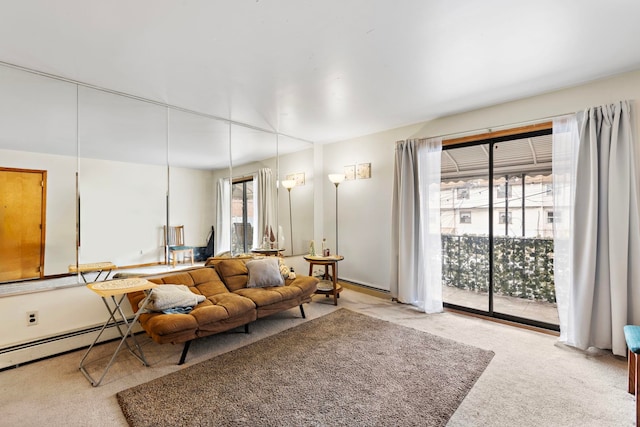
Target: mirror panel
{"x": 140, "y": 165}
{"x": 254, "y": 206}
{"x": 295, "y": 206}
{"x": 123, "y": 179}
{"x": 198, "y": 149}
{"x": 37, "y": 133}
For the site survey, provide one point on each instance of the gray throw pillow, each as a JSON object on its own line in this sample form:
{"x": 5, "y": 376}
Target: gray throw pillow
{"x": 264, "y": 272}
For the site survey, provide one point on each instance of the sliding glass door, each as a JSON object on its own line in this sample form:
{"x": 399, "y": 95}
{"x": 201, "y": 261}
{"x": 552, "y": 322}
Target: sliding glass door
{"x": 497, "y": 229}
{"x": 464, "y": 222}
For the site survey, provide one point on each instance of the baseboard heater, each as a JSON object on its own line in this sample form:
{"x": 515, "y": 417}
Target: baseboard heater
{"x": 31, "y": 351}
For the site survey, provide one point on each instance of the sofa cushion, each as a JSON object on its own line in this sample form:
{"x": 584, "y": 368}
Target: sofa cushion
{"x": 221, "y": 307}
{"x": 261, "y": 296}
{"x": 264, "y": 272}
{"x": 306, "y": 284}
{"x": 234, "y": 273}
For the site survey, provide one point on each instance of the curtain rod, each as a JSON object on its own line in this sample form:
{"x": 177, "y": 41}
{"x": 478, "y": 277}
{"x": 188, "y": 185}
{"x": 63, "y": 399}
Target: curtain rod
{"x": 454, "y": 135}
{"x": 148, "y": 101}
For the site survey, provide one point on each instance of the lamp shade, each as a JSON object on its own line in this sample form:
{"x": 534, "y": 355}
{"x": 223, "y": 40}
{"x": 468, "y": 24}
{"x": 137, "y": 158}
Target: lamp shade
{"x": 289, "y": 183}
{"x": 336, "y": 178}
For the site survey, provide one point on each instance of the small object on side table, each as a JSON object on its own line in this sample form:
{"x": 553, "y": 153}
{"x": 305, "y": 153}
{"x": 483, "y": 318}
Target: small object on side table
{"x": 334, "y": 287}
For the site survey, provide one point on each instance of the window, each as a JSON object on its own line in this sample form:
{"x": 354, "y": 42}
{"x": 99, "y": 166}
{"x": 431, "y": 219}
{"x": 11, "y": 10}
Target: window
{"x": 552, "y": 217}
{"x": 462, "y": 193}
{"x": 465, "y": 217}
{"x": 503, "y": 217}
{"x": 502, "y": 191}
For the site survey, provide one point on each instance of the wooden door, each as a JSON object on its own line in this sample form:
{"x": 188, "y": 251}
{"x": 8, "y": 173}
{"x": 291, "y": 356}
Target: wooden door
{"x": 22, "y": 225}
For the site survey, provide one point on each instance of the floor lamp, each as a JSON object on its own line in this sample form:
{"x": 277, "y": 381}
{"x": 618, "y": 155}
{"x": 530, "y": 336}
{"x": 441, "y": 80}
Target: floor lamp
{"x": 336, "y": 178}
{"x": 289, "y": 184}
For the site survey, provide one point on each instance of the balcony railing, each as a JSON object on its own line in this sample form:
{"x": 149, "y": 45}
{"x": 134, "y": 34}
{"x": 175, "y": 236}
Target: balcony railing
{"x": 523, "y": 266}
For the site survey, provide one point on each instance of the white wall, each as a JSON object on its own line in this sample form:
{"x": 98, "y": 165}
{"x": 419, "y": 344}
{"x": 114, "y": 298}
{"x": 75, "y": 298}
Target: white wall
{"x": 301, "y": 201}
{"x": 365, "y": 205}
{"x": 192, "y": 194}
{"x": 122, "y": 212}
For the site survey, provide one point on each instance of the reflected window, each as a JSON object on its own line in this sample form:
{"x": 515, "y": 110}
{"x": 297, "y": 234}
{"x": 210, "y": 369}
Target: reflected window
{"x": 242, "y": 219}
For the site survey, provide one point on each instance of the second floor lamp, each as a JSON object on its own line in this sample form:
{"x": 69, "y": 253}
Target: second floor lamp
{"x": 336, "y": 178}
{"x": 289, "y": 184}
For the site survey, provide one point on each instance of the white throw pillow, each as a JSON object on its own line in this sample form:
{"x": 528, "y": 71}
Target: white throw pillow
{"x": 264, "y": 272}
{"x": 170, "y": 296}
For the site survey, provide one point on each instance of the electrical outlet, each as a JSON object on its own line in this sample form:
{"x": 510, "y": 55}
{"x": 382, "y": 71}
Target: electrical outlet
{"x": 32, "y": 318}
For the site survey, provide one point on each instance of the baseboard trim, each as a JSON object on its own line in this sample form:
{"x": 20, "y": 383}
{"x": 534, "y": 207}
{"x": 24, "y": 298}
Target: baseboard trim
{"x": 32, "y": 351}
{"x": 365, "y": 289}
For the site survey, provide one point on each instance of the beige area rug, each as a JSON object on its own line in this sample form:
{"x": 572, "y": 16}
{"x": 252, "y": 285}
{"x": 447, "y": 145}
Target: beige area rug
{"x": 344, "y": 368}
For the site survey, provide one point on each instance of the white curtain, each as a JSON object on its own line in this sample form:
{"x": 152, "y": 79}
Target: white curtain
{"x": 264, "y": 197}
{"x": 565, "y": 146}
{"x": 223, "y": 216}
{"x": 605, "y": 235}
{"x": 416, "y": 261}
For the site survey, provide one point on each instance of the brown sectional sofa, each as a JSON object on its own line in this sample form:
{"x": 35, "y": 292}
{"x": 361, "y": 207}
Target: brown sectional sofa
{"x": 228, "y": 304}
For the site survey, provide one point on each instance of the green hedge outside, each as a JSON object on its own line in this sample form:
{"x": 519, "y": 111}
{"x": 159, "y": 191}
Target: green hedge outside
{"x": 523, "y": 267}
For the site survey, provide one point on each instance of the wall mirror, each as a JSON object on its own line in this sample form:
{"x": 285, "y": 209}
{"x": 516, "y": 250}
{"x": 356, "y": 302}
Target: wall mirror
{"x": 198, "y": 149}
{"x": 295, "y": 194}
{"x": 253, "y": 192}
{"x": 123, "y": 181}
{"x": 37, "y": 144}
{"x": 119, "y": 169}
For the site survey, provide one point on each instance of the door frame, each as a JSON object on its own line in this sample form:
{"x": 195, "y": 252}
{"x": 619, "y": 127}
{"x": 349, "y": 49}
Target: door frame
{"x": 490, "y": 139}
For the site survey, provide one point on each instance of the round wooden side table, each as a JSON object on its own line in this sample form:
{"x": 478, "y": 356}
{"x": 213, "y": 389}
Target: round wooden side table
{"x": 267, "y": 252}
{"x": 327, "y": 261}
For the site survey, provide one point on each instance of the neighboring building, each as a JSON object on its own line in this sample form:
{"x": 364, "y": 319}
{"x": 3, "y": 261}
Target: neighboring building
{"x": 464, "y": 206}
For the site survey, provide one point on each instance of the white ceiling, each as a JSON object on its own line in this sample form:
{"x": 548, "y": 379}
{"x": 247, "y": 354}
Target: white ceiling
{"x": 324, "y": 70}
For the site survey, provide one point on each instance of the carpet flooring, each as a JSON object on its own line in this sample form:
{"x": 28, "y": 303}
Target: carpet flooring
{"x": 344, "y": 368}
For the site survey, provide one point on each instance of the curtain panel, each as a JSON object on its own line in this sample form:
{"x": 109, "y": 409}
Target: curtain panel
{"x": 264, "y": 205}
{"x": 416, "y": 260}
{"x": 223, "y": 215}
{"x": 598, "y": 281}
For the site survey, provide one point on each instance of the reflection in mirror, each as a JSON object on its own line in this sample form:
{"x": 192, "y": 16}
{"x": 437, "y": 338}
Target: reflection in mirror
{"x": 122, "y": 171}
{"x": 198, "y": 147}
{"x": 295, "y": 205}
{"x": 254, "y": 215}
{"x": 37, "y": 175}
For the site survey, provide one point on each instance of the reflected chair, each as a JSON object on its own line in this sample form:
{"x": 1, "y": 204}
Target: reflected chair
{"x": 174, "y": 245}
